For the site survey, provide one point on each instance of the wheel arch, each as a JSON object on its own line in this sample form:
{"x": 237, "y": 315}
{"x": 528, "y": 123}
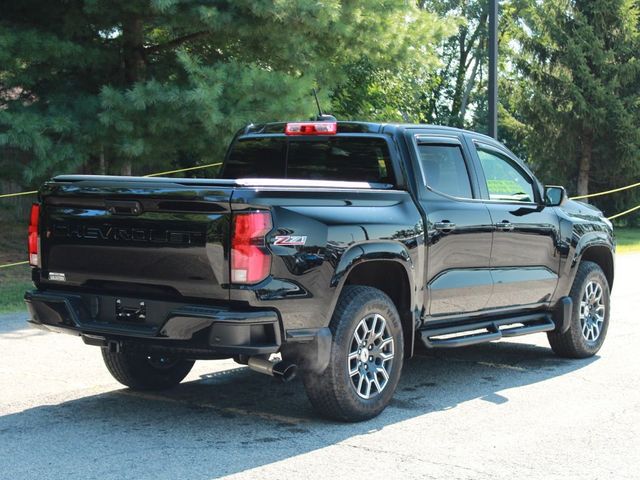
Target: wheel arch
{"x": 386, "y": 266}
{"x": 603, "y": 257}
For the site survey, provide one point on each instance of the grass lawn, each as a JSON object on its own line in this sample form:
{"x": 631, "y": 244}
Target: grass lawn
{"x": 628, "y": 240}
{"x": 11, "y": 293}
{"x": 13, "y": 248}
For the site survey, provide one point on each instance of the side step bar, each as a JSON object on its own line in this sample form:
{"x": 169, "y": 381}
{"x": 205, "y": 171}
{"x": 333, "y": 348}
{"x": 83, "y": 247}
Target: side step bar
{"x": 486, "y": 331}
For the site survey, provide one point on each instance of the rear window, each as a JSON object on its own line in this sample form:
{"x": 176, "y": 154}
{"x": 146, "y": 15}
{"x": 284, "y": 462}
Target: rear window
{"x": 262, "y": 158}
{"x": 362, "y": 159}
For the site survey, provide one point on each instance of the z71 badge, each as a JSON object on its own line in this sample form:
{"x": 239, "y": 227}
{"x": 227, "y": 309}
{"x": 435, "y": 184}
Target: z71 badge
{"x": 290, "y": 240}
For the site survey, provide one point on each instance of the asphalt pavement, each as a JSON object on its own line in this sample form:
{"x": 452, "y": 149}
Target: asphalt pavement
{"x": 502, "y": 410}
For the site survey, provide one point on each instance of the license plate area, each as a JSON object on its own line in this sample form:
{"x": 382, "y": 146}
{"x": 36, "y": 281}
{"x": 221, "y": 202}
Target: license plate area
{"x": 130, "y": 311}
{"x": 120, "y": 311}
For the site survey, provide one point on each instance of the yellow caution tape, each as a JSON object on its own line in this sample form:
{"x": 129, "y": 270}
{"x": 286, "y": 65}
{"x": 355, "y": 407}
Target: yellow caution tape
{"x": 184, "y": 170}
{"x": 150, "y": 175}
{"x": 7, "y": 195}
{"x": 14, "y": 264}
{"x": 637, "y": 207}
{"x": 591, "y": 195}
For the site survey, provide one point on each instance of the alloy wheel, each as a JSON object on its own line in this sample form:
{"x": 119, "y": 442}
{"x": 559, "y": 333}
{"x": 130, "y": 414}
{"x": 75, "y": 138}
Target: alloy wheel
{"x": 592, "y": 311}
{"x": 370, "y": 356}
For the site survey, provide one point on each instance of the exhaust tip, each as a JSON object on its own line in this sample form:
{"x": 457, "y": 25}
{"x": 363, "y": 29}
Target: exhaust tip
{"x": 285, "y": 371}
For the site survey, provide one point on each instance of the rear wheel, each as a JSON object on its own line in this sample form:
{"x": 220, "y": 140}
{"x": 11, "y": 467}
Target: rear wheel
{"x": 590, "y": 315}
{"x": 146, "y": 371}
{"x": 366, "y": 357}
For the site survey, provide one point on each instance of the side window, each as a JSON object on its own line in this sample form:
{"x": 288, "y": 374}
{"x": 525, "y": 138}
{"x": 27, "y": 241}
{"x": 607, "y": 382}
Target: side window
{"x": 444, "y": 170}
{"x": 505, "y": 181}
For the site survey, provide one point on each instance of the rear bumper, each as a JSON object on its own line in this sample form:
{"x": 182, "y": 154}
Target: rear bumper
{"x": 201, "y": 331}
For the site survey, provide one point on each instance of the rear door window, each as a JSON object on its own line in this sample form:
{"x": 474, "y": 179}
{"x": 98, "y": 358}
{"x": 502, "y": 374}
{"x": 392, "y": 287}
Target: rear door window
{"x": 445, "y": 170}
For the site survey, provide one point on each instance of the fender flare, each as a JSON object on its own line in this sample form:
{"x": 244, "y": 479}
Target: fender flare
{"x": 586, "y": 242}
{"x": 374, "y": 251}
{"x": 369, "y": 252}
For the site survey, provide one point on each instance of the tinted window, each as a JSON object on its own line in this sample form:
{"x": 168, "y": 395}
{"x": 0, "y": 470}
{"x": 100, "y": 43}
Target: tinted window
{"x": 505, "y": 180}
{"x": 444, "y": 170}
{"x": 349, "y": 159}
{"x": 362, "y": 159}
{"x": 256, "y": 158}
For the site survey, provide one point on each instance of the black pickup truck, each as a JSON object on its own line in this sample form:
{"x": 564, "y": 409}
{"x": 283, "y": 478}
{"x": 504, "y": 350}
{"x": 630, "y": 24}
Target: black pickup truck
{"x": 326, "y": 247}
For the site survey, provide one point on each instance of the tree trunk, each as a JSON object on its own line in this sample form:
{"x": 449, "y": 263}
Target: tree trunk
{"x": 102, "y": 165}
{"x": 467, "y": 90}
{"x": 133, "y": 50}
{"x": 461, "y": 73}
{"x": 133, "y": 59}
{"x": 584, "y": 167}
{"x": 466, "y": 47}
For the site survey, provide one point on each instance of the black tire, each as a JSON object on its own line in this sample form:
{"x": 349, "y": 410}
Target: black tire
{"x": 146, "y": 372}
{"x": 333, "y": 393}
{"x": 573, "y": 343}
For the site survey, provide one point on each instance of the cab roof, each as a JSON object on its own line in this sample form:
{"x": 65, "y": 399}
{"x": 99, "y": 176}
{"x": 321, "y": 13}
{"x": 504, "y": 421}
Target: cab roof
{"x": 358, "y": 127}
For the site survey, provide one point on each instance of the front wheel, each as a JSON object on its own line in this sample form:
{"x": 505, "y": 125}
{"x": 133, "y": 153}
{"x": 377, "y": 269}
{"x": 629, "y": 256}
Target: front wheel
{"x": 366, "y": 357}
{"x": 141, "y": 371}
{"x": 590, "y": 315}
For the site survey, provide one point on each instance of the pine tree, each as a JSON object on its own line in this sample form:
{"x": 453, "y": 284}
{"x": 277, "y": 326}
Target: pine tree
{"x": 581, "y": 68}
{"x": 140, "y": 85}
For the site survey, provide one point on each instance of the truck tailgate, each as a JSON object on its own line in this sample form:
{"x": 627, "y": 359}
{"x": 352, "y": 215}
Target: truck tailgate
{"x": 161, "y": 237}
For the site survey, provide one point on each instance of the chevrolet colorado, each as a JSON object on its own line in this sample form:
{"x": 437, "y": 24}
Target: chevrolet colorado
{"x": 334, "y": 245}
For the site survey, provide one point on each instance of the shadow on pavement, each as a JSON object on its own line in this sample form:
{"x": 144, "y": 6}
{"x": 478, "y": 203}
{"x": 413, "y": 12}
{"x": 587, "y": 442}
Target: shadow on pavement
{"x": 15, "y": 322}
{"x": 236, "y": 420}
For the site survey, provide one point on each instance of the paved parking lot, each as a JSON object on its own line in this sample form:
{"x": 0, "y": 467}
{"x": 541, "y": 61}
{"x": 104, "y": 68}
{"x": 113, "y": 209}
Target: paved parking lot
{"x": 504, "y": 410}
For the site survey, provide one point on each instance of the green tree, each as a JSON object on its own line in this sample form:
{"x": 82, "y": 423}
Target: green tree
{"x": 450, "y": 89}
{"x": 464, "y": 56}
{"x": 405, "y": 92}
{"x": 133, "y": 85}
{"x": 400, "y": 85}
{"x": 580, "y": 63}
{"x": 421, "y": 87}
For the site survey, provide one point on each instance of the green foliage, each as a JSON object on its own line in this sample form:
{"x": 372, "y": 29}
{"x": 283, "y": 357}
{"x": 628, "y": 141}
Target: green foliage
{"x": 402, "y": 85}
{"x": 374, "y": 93}
{"x": 580, "y": 100}
{"x": 110, "y": 86}
{"x": 97, "y": 85}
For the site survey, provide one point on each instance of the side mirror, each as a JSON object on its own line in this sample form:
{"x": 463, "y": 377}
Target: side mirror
{"x": 554, "y": 195}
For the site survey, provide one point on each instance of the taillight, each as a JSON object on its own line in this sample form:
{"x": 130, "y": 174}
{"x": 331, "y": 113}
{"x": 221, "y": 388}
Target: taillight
{"x": 250, "y": 259}
{"x": 33, "y": 239}
{"x": 311, "y": 128}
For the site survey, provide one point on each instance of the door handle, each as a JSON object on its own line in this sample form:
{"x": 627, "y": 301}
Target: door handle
{"x": 504, "y": 225}
{"x": 444, "y": 225}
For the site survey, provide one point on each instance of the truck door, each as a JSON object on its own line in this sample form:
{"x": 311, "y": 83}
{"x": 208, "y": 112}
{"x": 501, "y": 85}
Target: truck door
{"x": 458, "y": 227}
{"x": 524, "y": 260}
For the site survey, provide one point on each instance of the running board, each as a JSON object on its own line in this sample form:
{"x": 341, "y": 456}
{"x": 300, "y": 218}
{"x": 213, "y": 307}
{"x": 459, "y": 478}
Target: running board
{"x": 486, "y": 331}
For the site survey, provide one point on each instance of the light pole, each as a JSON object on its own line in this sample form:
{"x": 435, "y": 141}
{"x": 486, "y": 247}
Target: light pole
{"x": 493, "y": 68}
